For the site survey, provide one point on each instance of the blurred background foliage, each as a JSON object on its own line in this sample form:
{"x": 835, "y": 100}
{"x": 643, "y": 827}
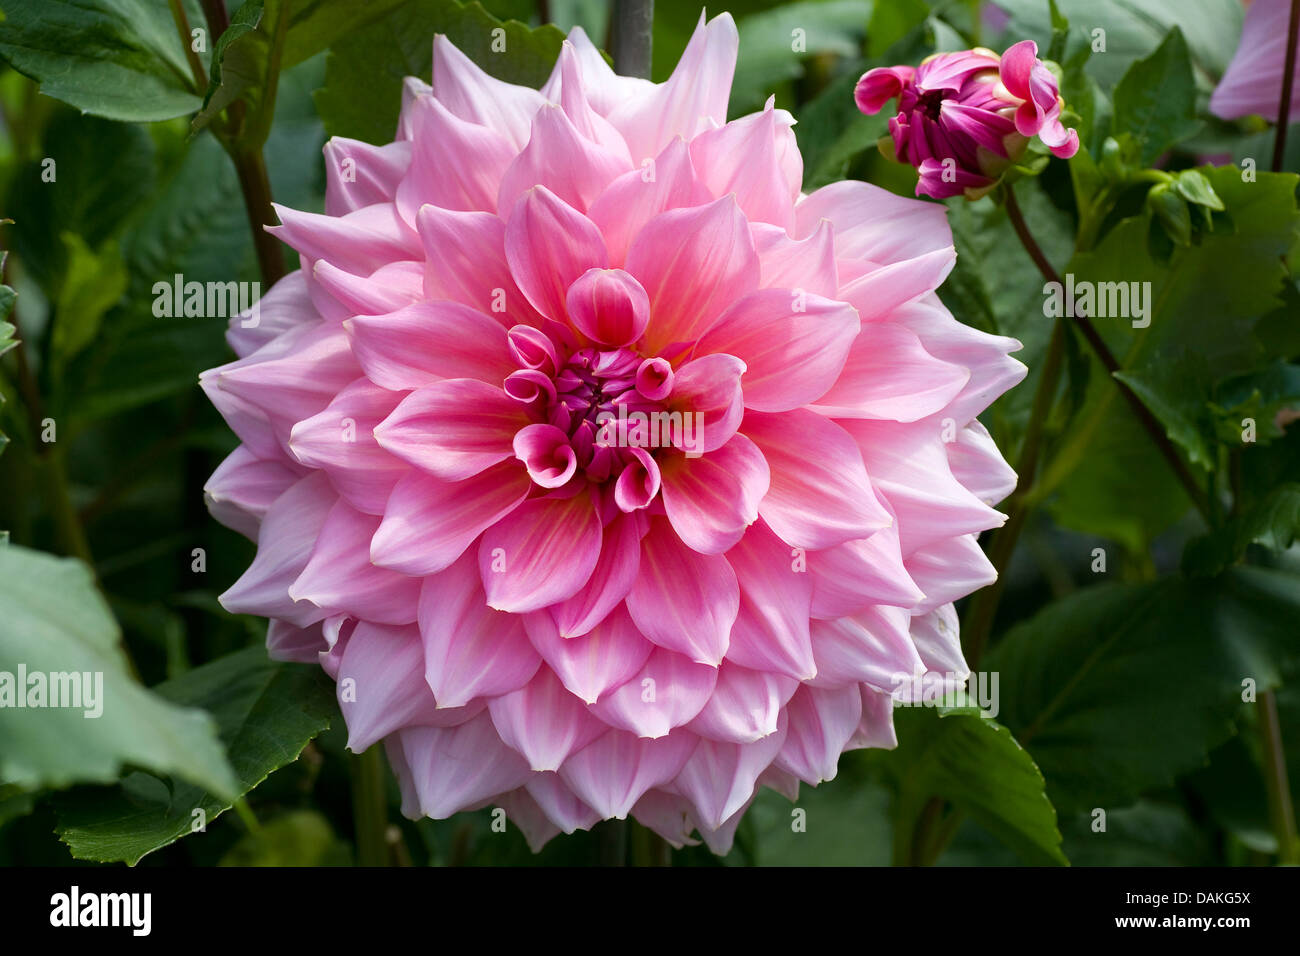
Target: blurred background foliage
{"x": 1121, "y": 683}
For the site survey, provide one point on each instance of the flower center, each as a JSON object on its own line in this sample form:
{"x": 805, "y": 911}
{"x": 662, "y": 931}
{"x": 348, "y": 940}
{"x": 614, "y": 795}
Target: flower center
{"x": 930, "y": 103}
{"x": 590, "y": 406}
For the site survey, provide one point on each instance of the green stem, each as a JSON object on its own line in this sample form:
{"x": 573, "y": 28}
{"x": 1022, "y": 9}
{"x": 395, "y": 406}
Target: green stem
{"x": 256, "y": 189}
{"x": 370, "y": 806}
{"x": 1280, "y": 810}
{"x": 611, "y": 842}
{"x": 633, "y": 29}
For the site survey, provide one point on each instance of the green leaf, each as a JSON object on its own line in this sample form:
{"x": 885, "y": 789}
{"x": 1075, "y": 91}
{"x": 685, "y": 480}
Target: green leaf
{"x": 1121, "y": 688}
{"x": 243, "y": 60}
{"x": 768, "y": 56}
{"x": 1156, "y": 99}
{"x": 52, "y": 620}
{"x": 975, "y": 764}
{"x": 266, "y": 714}
{"x": 1195, "y": 188}
{"x": 120, "y": 59}
{"x": 1274, "y": 523}
{"x": 1257, "y": 396}
{"x": 1175, "y": 388}
{"x": 365, "y": 70}
{"x": 93, "y": 283}
{"x": 891, "y": 22}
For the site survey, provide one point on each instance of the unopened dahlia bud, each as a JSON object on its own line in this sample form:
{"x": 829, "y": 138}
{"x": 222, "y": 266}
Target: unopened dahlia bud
{"x": 965, "y": 118}
{"x": 606, "y": 472}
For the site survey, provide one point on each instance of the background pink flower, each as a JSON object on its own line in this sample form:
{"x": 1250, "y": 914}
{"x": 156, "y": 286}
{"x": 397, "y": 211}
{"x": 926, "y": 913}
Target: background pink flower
{"x": 1252, "y": 84}
{"x": 527, "y": 614}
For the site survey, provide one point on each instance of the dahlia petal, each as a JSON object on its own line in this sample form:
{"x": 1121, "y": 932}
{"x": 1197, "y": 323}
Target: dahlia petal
{"x": 540, "y": 554}
{"x": 340, "y": 577}
{"x": 876, "y": 729}
{"x": 455, "y": 164}
{"x": 560, "y": 804}
{"x": 708, "y": 245}
{"x": 301, "y": 645}
{"x": 455, "y": 768}
{"x": 910, "y": 470}
{"x": 756, "y": 158}
{"x": 358, "y": 242}
{"x": 873, "y": 647}
{"x": 474, "y": 95}
{"x": 316, "y": 365}
{"x": 880, "y": 291}
{"x": 564, "y": 161}
{"x": 814, "y": 501}
{"x": 609, "y": 655}
{"x": 712, "y": 499}
{"x": 634, "y": 198}
{"x": 286, "y": 305}
{"x": 821, "y": 722}
{"x": 710, "y": 387}
{"x": 794, "y": 345}
{"x": 937, "y": 636}
{"x": 745, "y": 705}
{"x": 547, "y": 743}
{"x": 639, "y": 482}
{"x": 427, "y": 342}
{"x": 695, "y": 96}
{"x": 428, "y": 522}
{"x": 453, "y": 429}
{"x": 668, "y": 691}
{"x": 285, "y": 542}
{"x": 358, "y": 174}
{"x": 992, "y": 370}
{"x": 877, "y": 87}
{"x": 380, "y": 687}
{"x": 614, "y": 771}
{"x": 244, "y": 486}
{"x": 527, "y": 814}
{"x": 948, "y": 570}
{"x": 806, "y": 264}
{"x": 681, "y": 599}
{"x": 719, "y": 778}
{"x": 616, "y": 569}
{"x": 771, "y": 629}
{"x": 466, "y": 263}
{"x": 604, "y": 88}
{"x": 470, "y": 650}
{"x": 608, "y": 306}
{"x": 388, "y": 289}
{"x": 340, "y": 440}
{"x": 977, "y": 464}
{"x": 890, "y": 375}
{"x": 548, "y": 245}
{"x": 874, "y": 224}
{"x": 851, "y": 577}
{"x": 1252, "y": 84}
{"x": 667, "y": 814}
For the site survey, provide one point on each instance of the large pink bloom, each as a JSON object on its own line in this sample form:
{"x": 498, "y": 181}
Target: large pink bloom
{"x": 964, "y": 118}
{"x": 537, "y": 610}
{"x": 1252, "y": 84}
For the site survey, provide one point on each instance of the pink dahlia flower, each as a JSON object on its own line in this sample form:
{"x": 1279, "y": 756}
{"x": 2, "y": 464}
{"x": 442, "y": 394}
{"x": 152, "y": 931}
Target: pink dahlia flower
{"x": 964, "y": 118}
{"x": 1252, "y": 84}
{"x": 534, "y": 601}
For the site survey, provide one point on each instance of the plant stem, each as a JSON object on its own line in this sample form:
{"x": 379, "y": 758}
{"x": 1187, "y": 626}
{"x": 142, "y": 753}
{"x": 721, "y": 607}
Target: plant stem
{"x": 611, "y": 842}
{"x": 983, "y": 607}
{"x": 370, "y": 806}
{"x": 1108, "y": 361}
{"x": 633, "y": 36}
{"x": 256, "y": 188}
{"x": 187, "y": 44}
{"x": 1280, "y": 810}
{"x": 1288, "y": 81}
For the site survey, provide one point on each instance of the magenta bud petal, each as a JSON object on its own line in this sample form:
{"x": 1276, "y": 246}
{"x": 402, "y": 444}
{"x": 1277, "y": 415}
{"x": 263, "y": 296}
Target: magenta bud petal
{"x": 608, "y": 306}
